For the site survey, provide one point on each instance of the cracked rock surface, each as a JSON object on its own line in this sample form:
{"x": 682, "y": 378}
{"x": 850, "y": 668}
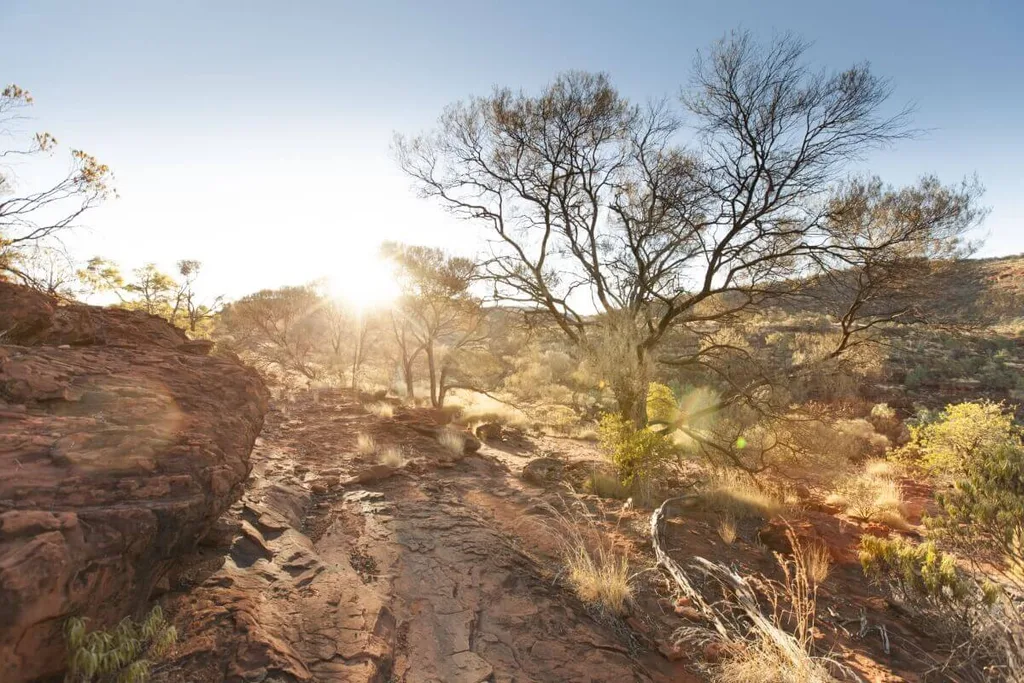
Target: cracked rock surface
{"x": 407, "y": 575}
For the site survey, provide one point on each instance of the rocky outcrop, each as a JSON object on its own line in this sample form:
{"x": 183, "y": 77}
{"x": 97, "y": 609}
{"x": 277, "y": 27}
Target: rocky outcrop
{"x": 121, "y": 443}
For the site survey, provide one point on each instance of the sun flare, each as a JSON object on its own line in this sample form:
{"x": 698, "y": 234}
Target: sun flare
{"x": 365, "y": 283}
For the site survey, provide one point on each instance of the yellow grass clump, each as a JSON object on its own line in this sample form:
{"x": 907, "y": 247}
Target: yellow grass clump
{"x": 381, "y": 409}
{"x": 365, "y": 444}
{"x": 453, "y": 441}
{"x": 391, "y": 456}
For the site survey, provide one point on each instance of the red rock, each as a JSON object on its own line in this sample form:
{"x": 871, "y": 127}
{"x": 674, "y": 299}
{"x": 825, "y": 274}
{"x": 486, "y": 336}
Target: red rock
{"x": 689, "y": 613}
{"x": 116, "y": 456}
{"x": 672, "y": 652}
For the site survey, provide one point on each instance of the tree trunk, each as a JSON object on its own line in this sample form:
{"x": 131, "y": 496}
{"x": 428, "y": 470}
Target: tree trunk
{"x": 442, "y": 389}
{"x": 407, "y": 373}
{"x": 632, "y": 404}
{"x": 432, "y": 369}
{"x": 631, "y": 392}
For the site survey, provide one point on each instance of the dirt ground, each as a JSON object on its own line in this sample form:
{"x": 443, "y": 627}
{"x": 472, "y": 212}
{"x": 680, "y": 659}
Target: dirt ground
{"x": 336, "y": 568}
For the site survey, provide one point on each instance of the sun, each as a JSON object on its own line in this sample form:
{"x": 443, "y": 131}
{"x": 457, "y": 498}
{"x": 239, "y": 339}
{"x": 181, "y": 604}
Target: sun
{"x": 365, "y": 283}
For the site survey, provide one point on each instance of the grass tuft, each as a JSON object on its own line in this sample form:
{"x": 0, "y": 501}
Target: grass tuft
{"x": 380, "y": 409}
{"x": 365, "y": 444}
{"x": 740, "y": 498}
{"x": 453, "y": 441}
{"x": 391, "y": 456}
{"x": 727, "y": 529}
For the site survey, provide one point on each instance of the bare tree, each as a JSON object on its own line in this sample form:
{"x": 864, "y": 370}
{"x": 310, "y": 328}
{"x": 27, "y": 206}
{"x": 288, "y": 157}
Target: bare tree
{"x": 601, "y": 217}
{"x": 409, "y": 348}
{"x": 30, "y": 219}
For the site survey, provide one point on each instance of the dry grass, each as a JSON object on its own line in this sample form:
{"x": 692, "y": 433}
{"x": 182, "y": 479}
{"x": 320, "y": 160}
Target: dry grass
{"x": 365, "y": 444}
{"x": 478, "y": 409}
{"x": 381, "y": 409}
{"x": 872, "y": 495}
{"x": 453, "y": 441}
{"x": 391, "y": 456}
{"x": 740, "y": 498}
{"x": 815, "y": 560}
{"x": 893, "y": 519}
{"x": 879, "y": 468}
{"x": 727, "y": 529}
{"x": 599, "y": 577}
{"x": 775, "y": 646}
{"x": 594, "y": 567}
{"x": 780, "y": 649}
{"x": 765, "y": 662}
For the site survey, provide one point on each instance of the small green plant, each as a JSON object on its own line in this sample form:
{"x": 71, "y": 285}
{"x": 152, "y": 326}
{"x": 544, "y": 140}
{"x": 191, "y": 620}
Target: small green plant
{"x": 915, "y": 571}
{"x": 123, "y": 655}
{"x": 638, "y": 454}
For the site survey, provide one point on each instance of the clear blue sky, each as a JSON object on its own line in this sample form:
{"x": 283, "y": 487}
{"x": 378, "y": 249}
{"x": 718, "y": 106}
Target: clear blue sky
{"x": 254, "y": 135}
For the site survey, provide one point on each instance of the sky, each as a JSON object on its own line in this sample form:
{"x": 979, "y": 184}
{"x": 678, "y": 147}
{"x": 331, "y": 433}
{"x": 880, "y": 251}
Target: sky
{"x": 255, "y": 136}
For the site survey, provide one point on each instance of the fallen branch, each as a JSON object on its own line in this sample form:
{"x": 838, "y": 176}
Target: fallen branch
{"x": 675, "y": 571}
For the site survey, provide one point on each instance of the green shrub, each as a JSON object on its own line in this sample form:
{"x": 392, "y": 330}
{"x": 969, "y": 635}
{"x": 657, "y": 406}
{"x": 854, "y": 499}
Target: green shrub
{"x": 662, "y": 407}
{"x": 961, "y": 434}
{"x": 984, "y": 510}
{"x": 916, "y": 571}
{"x": 916, "y": 377}
{"x": 638, "y": 454}
{"x": 123, "y": 655}
{"x": 882, "y": 411}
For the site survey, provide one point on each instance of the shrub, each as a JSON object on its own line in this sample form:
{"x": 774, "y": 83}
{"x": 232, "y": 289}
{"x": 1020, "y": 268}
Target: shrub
{"x": 554, "y": 419}
{"x": 981, "y": 517}
{"x": 916, "y": 377}
{"x": 871, "y": 495}
{"x": 882, "y": 411}
{"x": 638, "y": 454}
{"x": 124, "y": 655}
{"x": 915, "y": 571}
{"x": 945, "y": 446}
{"x": 662, "y": 407}
{"x": 984, "y": 511}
